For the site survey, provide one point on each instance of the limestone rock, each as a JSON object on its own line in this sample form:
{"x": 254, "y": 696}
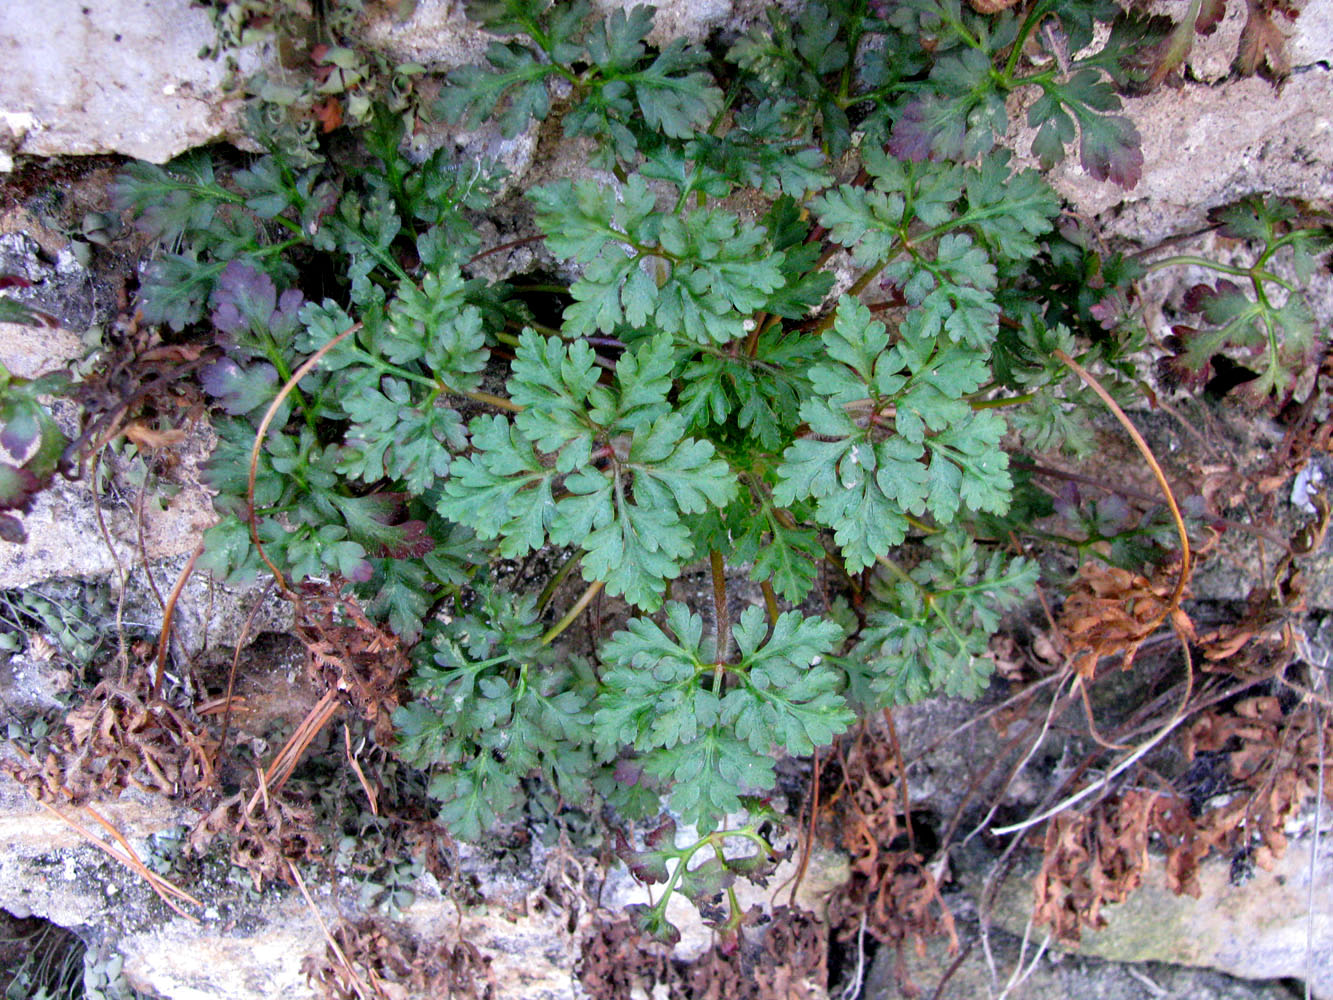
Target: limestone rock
{"x": 65, "y": 540}
{"x": 1207, "y": 146}
{"x": 438, "y": 34}
{"x": 61, "y": 288}
{"x": 29, "y": 351}
{"x": 1212, "y": 56}
{"x": 1311, "y": 39}
{"x": 124, "y": 76}
{"x": 112, "y": 76}
{"x": 49, "y": 869}
{"x": 1255, "y": 930}
{"x": 1051, "y": 975}
{"x": 248, "y": 946}
{"x": 692, "y": 20}
{"x": 1216, "y": 137}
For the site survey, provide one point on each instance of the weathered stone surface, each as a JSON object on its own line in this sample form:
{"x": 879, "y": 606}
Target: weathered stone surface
{"x": 532, "y": 955}
{"x": 1212, "y": 56}
{"x": 692, "y": 19}
{"x": 29, "y": 351}
{"x": 114, "y": 76}
{"x": 1206, "y": 146}
{"x": 64, "y": 538}
{"x": 827, "y": 871}
{"x": 247, "y": 948}
{"x": 124, "y": 76}
{"x": 437, "y": 33}
{"x": 1215, "y": 138}
{"x": 1255, "y": 930}
{"x": 47, "y": 868}
{"x": 1051, "y": 975}
{"x": 61, "y": 288}
{"x": 1311, "y": 39}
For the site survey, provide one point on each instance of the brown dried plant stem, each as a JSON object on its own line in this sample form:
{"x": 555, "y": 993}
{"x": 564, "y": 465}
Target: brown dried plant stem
{"x": 235, "y": 663}
{"x": 902, "y": 775}
{"x": 127, "y": 856}
{"x": 721, "y": 620}
{"x": 354, "y": 980}
{"x": 1182, "y": 578}
{"x": 807, "y": 847}
{"x": 282, "y": 766}
{"x": 168, "y": 615}
{"x": 360, "y": 774}
{"x": 1172, "y": 604}
{"x": 122, "y": 648}
{"x": 280, "y": 769}
{"x": 770, "y": 601}
{"x": 573, "y": 613}
{"x": 1157, "y": 472}
{"x": 143, "y": 539}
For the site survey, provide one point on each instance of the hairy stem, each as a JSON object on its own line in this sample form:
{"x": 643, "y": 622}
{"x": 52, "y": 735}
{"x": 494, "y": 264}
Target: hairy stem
{"x": 719, "y": 570}
{"x": 573, "y": 613}
{"x": 770, "y": 601}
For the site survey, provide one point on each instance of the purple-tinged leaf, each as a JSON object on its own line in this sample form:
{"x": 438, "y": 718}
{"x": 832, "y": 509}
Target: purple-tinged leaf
{"x": 17, "y": 487}
{"x": 243, "y": 299}
{"x": 705, "y": 881}
{"x": 416, "y": 542}
{"x": 285, "y": 321}
{"x": 627, "y": 772}
{"x": 913, "y": 133}
{"x": 757, "y": 867}
{"x": 653, "y": 922}
{"x": 1110, "y": 149}
{"x": 22, "y": 428}
{"x": 650, "y": 865}
{"x": 1196, "y": 296}
{"x": 11, "y": 530}
{"x": 664, "y": 832}
{"x": 239, "y": 390}
{"x": 1067, "y": 501}
{"x": 1262, "y": 43}
{"x": 1048, "y": 145}
{"x": 1176, "y": 370}
{"x": 1210, "y": 16}
{"x": 1171, "y": 51}
{"x": 1253, "y": 218}
{"x": 1217, "y": 304}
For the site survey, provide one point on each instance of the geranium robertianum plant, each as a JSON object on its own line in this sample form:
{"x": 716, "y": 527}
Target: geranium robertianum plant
{"x": 804, "y": 303}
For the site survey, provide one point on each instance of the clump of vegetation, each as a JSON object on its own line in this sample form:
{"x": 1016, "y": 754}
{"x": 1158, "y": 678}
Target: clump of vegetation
{"x": 324, "y": 76}
{"x": 818, "y": 395}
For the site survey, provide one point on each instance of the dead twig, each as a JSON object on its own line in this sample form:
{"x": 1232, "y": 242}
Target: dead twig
{"x": 360, "y": 775}
{"x": 235, "y": 662}
{"x": 1106, "y": 779}
{"x": 1148, "y": 456}
{"x": 355, "y": 980}
{"x": 168, "y": 615}
{"x": 127, "y": 856}
{"x": 282, "y": 766}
